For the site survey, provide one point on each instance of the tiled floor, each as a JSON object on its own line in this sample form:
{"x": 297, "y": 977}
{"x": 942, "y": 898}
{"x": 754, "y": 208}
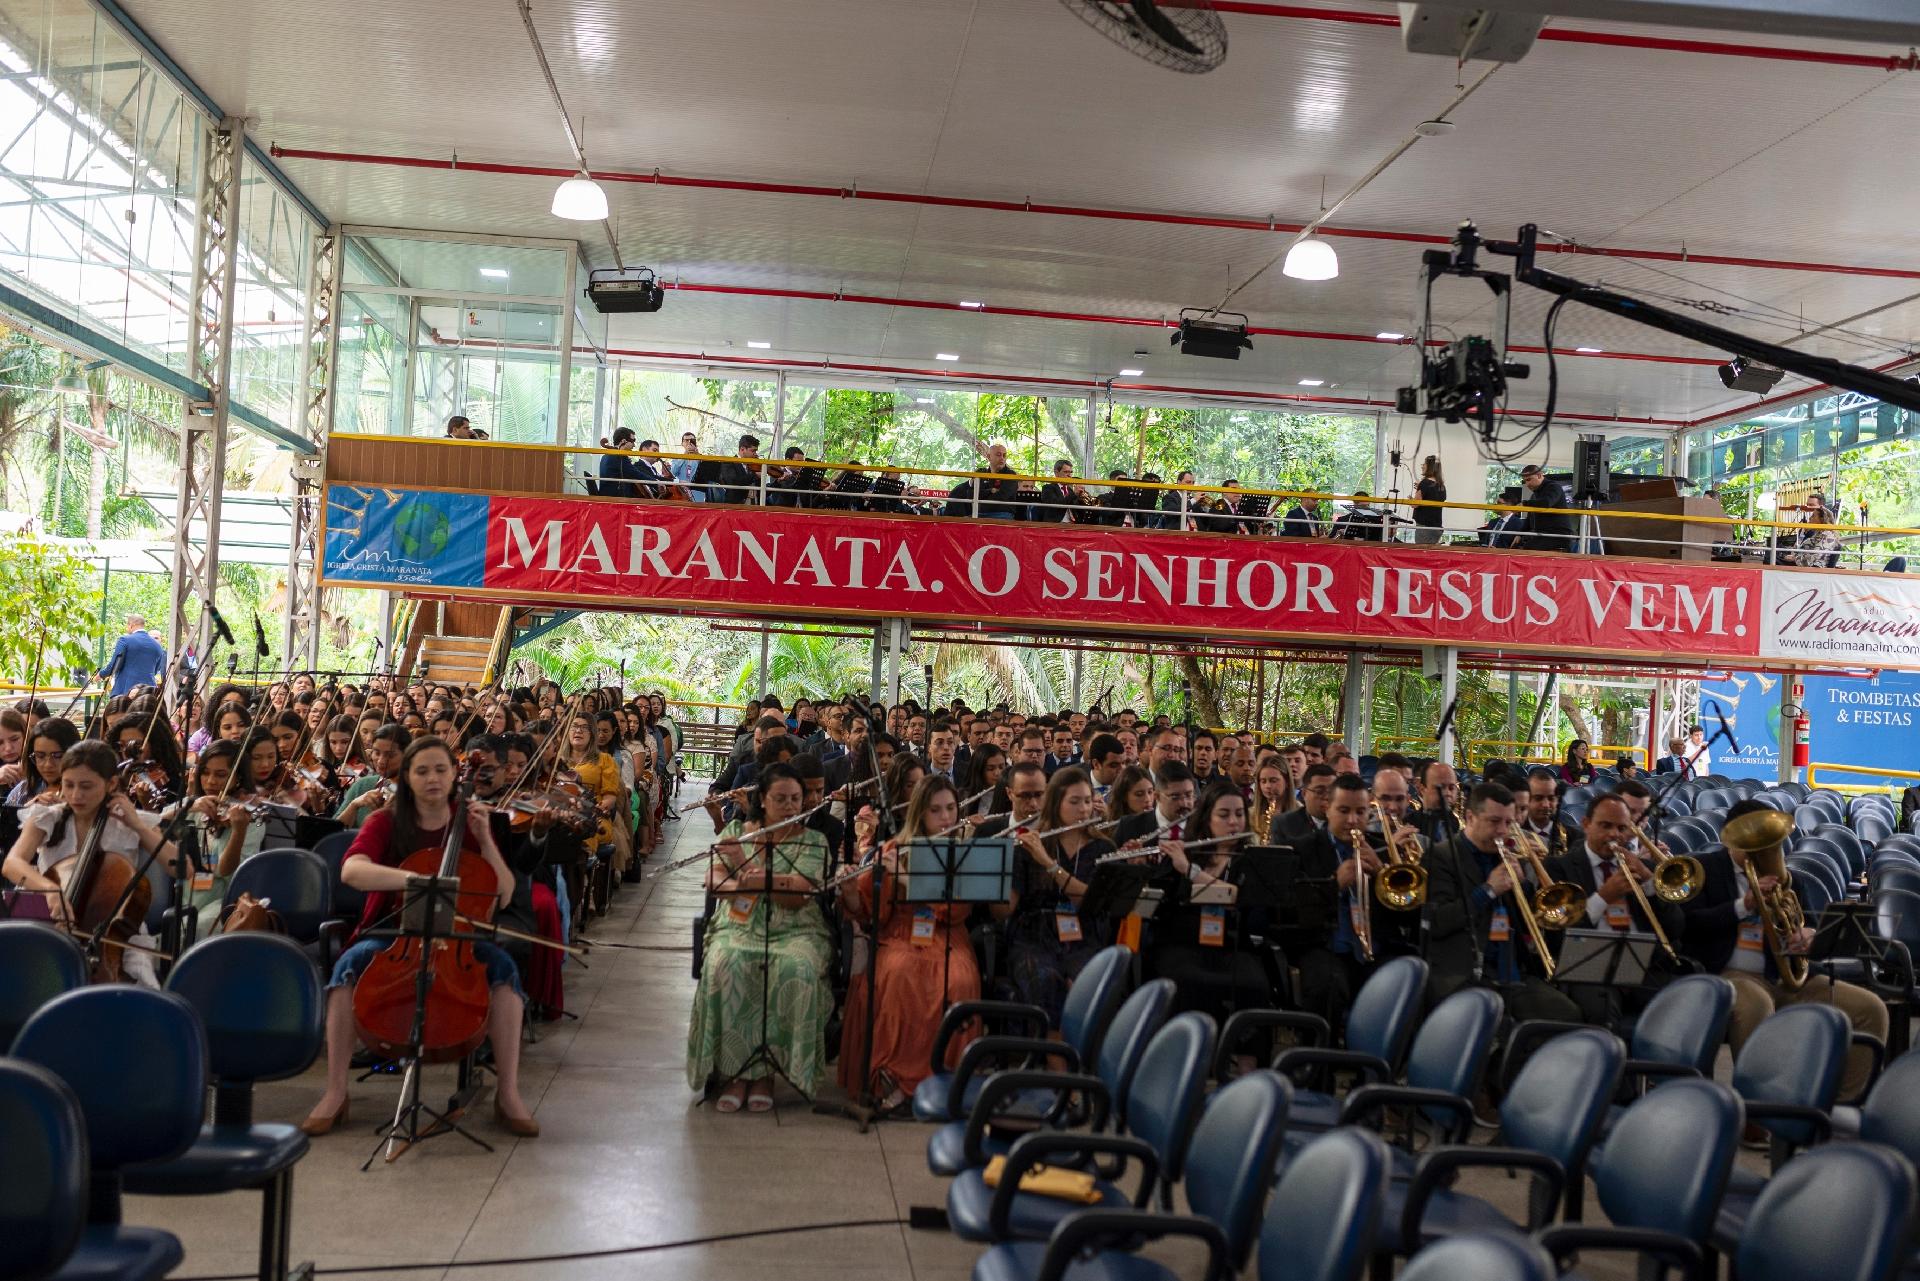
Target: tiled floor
{"x": 626, "y": 1163}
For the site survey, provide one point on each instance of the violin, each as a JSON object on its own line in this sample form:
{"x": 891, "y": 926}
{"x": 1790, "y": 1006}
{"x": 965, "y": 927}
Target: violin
{"x": 458, "y": 998}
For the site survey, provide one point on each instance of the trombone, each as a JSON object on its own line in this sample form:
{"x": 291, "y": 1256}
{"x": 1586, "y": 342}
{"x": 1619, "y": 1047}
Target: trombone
{"x": 1676, "y": 877}
{"x": 1511, "y": 861}
{"x": 1402, "y": 883}
{"x": 1362, "y": 900}
{"x": 1646, "y": 908}
{"x": 1557, "y": 903}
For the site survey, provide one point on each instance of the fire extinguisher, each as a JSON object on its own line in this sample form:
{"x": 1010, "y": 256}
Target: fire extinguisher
{"x": 1802, "y": 751}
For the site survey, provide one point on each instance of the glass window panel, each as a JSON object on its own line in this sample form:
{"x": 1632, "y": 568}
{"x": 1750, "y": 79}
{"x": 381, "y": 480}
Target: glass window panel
{"x": 462, "y": 269}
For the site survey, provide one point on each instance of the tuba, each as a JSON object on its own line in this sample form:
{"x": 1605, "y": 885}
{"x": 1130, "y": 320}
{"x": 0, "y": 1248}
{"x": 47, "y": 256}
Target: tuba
{"x": 1761, "y": 837}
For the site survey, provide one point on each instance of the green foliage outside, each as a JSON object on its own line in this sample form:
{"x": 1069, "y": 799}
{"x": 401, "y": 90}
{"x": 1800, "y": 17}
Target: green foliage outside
{"x": 47, "y": 593}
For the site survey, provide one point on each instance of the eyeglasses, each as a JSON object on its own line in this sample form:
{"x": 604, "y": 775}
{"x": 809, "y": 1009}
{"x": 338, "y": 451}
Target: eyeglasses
{"x": 47, "y": 758}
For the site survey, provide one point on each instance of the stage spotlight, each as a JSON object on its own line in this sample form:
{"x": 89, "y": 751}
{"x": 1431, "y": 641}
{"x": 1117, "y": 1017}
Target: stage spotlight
{"x": 1741, "y": 374}
{"x": 1215, "y": 336}
{"x": 633, "y": 289}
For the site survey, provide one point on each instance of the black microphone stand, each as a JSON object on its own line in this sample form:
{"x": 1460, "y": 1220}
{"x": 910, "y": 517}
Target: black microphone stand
{"x": 860, "y": 1107}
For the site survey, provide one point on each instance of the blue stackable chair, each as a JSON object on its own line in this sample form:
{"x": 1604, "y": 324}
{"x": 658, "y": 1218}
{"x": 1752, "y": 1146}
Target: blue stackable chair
{"x": 962, "y": 1145}
{"x": 43, "y": 1162}
{"x": 1548, "y": 1121}
{"x": 1089, "y": 1007}
{"x": 260, "y": 1001}
{"x": 1163, "y": 1104}
{"x": 38, "y": 964}
{"x": 1660, "y": 1196}
{"x": 1815, "y": 883}
{"x": 1380, "y": 1023}
{"x": 1444, "y": 1067}
{"x": 1852, "y": 848}
{"x": 1872, "y": 826}
{"x": 100, "y": 1041}
{"x": 1234, "y": 1146}
{"x": 1842, "y": 1213}
{"x": 1891, "y": 1113}
{"x": 296, "y": 883}
{"x": 1481, "y": 1256}
{"x": 1787, "y": 1075}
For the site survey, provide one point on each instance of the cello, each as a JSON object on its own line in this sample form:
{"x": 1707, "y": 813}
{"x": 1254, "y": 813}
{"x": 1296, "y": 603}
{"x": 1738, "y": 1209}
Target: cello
{"x": 437, "y": 972}
{"x": 102, "y": 891}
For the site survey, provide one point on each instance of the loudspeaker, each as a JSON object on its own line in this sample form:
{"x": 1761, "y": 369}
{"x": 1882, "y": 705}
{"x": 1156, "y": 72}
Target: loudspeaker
{"x": 1591, "y": 463}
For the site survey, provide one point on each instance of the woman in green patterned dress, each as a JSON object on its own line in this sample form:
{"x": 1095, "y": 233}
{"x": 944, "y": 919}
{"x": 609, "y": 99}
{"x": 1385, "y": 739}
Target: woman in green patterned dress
{"x": 788, "y": 932}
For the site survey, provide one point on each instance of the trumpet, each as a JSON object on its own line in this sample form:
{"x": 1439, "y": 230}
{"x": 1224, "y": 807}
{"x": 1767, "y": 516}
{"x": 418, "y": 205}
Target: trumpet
{"x": 1402, "y": 883}
{"x": 1676, "y": 877}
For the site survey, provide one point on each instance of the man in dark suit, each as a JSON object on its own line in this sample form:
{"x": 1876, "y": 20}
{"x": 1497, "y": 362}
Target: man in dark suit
{"x": 138, "y": 659}
{"x": 813, "y": 782}
{"x": 1675, "y": 761}
{"x": 1439, "y": 790}
{"x": 1726, "y": 934}
{"x": 726, "y": 481}
{"x": 1550, "y": 519}
{"x": 1298, "y": 824}
{"x": 1600, "y": 862}
{"x": 1026, "y": 786}
{"x": 1174, "y": 797}
{"x": 1476, "y": 933}
{"x": 1542, "y": 817}
{"x": 1334, "y": 965}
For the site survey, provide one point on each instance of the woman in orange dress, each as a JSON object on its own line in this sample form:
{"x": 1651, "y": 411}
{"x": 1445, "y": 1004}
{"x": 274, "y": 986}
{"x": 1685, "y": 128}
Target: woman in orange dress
{"x": 924, "y": 961}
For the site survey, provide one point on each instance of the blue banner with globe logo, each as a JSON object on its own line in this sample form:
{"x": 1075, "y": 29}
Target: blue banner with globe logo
{"x": 1857, "y": 722}
{"x": 405, "y": 537}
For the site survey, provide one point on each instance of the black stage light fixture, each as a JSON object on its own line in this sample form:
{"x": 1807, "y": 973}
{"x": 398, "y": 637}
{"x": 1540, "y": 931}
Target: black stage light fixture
{"x": 629, "y": 289}
{"x": 1741, "y": 374}
{"x": 1203, "y": 334}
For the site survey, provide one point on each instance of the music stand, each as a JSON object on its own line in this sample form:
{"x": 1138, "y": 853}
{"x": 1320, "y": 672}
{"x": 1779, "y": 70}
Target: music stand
{"x": 1604, "y": 958}
{"x": 1114, "y": 890}
{"x": 949, "y": 871}
{"x": 763, "y": 1053}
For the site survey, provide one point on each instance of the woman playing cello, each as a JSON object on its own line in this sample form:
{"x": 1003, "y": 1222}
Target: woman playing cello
{"x": 417, "y": 819}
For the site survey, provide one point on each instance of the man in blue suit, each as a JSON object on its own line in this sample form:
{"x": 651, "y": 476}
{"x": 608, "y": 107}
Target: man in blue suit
{"x": 138, "y": 659}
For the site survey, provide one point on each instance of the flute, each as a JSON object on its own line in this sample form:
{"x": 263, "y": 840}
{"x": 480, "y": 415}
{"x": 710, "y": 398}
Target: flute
{"x": 1122, "y": 855}
{"x": 970, "y": 819}
{"x": 742, "y": 838}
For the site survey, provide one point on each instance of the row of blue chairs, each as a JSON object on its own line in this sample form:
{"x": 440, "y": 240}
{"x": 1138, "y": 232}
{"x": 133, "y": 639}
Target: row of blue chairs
{"x": 1148, "y": 1108}
{"x": 104, "y": 1090}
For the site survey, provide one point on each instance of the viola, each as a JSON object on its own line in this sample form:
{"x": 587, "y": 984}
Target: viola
{"x": 458, "y": 998}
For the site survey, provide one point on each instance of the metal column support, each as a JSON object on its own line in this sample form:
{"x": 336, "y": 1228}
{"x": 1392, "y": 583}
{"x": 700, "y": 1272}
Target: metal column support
{"x": 1077, "y": 665}
{"x": 1364, "y": 741}
{"x": 762, "y": 694}
{"x": 1449, "y": 661}
{"x": 1086, "y": 452}
{"x": 1350, "y": 700}
{"x": 898, "y": 633}
{"x": 880, "y": 632}
{"x": 203, "y": 427}
{"x": 1513, "y": 706}
{"x": 300, "y": 641}
{"x": 1656, "y": 717}
{"x": 1545, "y": 706}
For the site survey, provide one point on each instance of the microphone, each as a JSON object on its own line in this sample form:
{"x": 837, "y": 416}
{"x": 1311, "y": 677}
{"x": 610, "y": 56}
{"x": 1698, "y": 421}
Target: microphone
{"x": 220, "y": 624}
{"x": 259, "y": 637}
{"x": 1446, "y": 719}
{"x": 1726, "y": 729}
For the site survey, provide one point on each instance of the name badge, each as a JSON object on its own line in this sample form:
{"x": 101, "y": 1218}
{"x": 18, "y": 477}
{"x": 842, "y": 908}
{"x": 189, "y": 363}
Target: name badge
{"x": 1066, "y": 924}
{"x": 1497, "y": 929}
{"x": 923, "y": 927}
{"x": 739, "y": 910}
{"x": 1753, "y": 936}
{"x": 1213, "y": 927}
{"x": 202, "y": 882}
{"x": 1618, "y": 917}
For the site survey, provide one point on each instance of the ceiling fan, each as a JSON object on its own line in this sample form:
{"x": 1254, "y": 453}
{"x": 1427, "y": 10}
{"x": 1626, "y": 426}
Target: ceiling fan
{"x": 1190, "y": 38}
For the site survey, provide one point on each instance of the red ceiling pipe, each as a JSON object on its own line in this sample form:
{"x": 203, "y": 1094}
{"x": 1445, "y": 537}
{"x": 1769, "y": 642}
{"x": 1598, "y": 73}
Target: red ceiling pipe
{"x": 1097, "y": 318}
{"x": 1071, "y": 211}
{"x": 1712, "y": 48}
{"x": 1083, "y": 384}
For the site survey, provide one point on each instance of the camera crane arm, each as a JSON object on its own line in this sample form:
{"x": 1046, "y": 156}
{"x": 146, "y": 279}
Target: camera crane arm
{"x": 1823, "y": 369}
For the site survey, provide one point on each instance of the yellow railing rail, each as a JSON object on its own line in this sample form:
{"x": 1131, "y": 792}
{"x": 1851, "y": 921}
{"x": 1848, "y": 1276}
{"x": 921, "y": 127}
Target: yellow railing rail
{"x": 1238, "y": 491}
{"x": 1617, "y": 749}
{"x": 1532, "y": 752}
{"x": 1870, "y": 771}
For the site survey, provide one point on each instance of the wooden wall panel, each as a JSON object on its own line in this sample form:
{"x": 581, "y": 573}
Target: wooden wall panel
{"x": 483, "y": 467}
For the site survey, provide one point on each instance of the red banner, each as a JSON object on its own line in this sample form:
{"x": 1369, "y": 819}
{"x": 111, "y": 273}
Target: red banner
{"x": 610, "y": 554}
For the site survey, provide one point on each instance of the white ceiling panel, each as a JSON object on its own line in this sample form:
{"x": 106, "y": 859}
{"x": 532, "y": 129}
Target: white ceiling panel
{"x": 1016, "y": 100}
